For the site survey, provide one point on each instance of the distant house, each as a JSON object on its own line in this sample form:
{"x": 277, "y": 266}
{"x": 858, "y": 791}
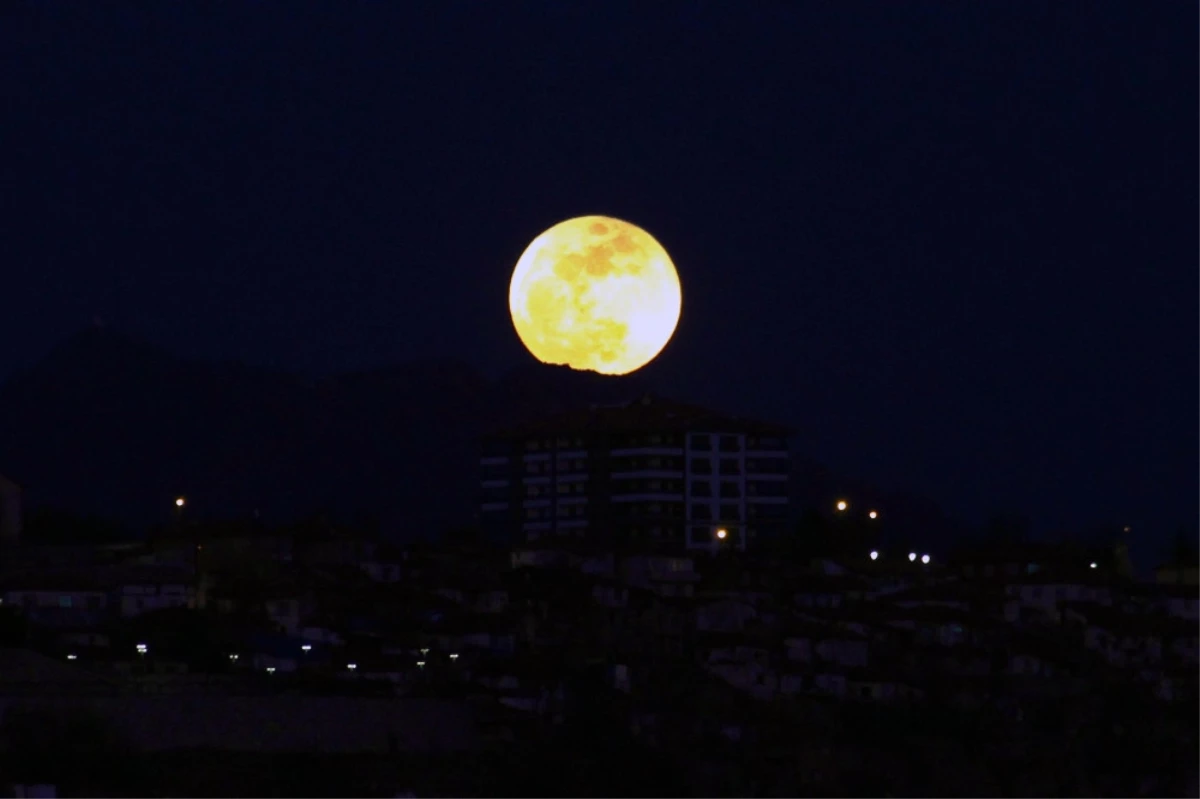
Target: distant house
{"x": 665, "y": 576}
{"x": 155, "y": 589}
{"x": 59, "y": 599}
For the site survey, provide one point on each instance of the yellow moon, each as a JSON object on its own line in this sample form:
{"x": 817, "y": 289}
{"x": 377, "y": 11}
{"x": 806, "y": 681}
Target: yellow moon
{"x": 595, "y": 293}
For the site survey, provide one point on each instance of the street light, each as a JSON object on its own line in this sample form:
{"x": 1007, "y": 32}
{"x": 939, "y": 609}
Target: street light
{"x": 180, "y": 502}
{"x": 352, "y": 666}
{"x": 233, "y": 657}
{"x": 873, "y": 515}
{"x": 270, "y": 669}
{"x": 454, "y": 656}
{"x": 72, "y": 657}
{"x": 1092, "y": 565}
{"x": 722, "y": 533}
{"x": 925, "y": 559}
{"x": 912, "y": 556}
{"x": 842, "y": 505}
{"x": 420, "y": 664}
{"x": 142, "y": 649}
{"x": 874, "y": 555}
{"x": 306, "y": 647}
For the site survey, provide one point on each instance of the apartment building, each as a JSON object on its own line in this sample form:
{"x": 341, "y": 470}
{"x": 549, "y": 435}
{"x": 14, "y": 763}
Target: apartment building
{"x": 649, "y": 473}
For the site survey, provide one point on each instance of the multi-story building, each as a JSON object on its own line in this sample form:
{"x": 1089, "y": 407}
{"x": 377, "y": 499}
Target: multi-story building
{"x": 650, "y": 472}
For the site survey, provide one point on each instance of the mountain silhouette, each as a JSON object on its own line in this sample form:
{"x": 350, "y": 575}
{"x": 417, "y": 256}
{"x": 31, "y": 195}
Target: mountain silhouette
{"x": 111, "y": 426}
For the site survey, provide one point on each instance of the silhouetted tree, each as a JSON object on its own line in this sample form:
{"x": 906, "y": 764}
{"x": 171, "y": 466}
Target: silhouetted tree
{"x": 1005, "y": 529}
{"x": 1184, "y": 553}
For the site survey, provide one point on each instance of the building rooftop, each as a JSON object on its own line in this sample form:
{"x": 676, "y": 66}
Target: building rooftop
{"x": 649, "y": 413}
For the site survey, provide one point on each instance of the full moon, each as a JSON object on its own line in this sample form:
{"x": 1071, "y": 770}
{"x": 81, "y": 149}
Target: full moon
{"x": 595, "y": 293}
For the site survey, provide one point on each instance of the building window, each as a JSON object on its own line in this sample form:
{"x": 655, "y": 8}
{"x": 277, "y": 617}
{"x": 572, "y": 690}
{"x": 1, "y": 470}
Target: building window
{"x": 730, "y": 513}
{"x": 776, "y": 510}
{"x": 64, "y": 601}
{"x": 701, "y": 443}
{"x": 701, "y": 488}
{"x": 701, "y": 466}
{"x": 730, "y": 444}
{"x": 767, "y": 488}
{"x": 766, "y": 466}
{"x": 701, "y": 512}
{"x": 731, "y": 490}
{"x": 729, "y": 466}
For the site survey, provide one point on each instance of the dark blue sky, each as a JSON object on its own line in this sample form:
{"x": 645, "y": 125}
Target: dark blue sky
{"x": 954, "y": 244}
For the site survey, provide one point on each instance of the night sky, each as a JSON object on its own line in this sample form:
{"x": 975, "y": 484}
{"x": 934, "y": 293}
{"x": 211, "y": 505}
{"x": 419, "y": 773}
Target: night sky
{"x": 953, "y": 244}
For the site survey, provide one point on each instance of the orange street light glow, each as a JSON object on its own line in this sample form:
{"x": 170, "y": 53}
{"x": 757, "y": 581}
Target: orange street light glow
{"x": 721, "y": 534}
{"x": 842, "y": 504}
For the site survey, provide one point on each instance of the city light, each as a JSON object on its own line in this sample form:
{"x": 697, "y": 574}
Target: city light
{"x": 270, "y": 669}
{"x": 873, "y": 515}
{"x": 420, "y": 664}
{"x": 425, "y": 650}
{"x": 142, "y": 649}
{"x": 722, "y": 533}
{"x": 306, "y": 647}
{"x": 842, "y": 505}
{"x": 912, "y": 556}
{"x": 72, "y": 657}
{"x": 233, "y": 657}
{"x": 1092, "y": 565}
{"x": 352, "y": 666}
{"x": 925, "y": 559}
{"x": 180, "y": 502}
{"x": 874, "y": 555}
{"x": 454, "y": 656}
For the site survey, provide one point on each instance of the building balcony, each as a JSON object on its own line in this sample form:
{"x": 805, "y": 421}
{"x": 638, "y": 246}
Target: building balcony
{"x": 648, "y": 497}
